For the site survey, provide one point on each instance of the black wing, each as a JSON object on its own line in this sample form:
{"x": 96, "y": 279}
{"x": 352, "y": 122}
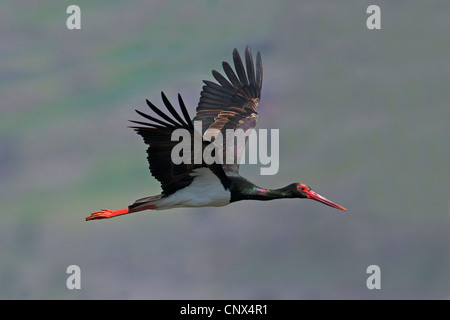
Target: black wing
{"x": 232, "y": 103}
{"x": 157, "y": 135}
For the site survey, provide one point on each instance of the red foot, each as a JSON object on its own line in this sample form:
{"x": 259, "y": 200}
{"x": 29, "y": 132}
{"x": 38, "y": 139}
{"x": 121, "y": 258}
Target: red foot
{"x": 106, "y": 214}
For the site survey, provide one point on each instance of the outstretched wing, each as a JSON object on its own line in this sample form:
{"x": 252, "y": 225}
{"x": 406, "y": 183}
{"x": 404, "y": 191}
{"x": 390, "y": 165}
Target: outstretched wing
{"x": 232, "y": 103}
{"x": 157, "y": 135}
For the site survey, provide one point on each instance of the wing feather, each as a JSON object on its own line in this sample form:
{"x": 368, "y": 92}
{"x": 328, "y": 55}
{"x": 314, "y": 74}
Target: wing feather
{"x": 157, "y": 135}
{"x": 232, "y": 103}
{"x": 229, "y": 104}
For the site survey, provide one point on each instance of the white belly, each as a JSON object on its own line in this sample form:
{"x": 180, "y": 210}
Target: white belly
{"x": 205, "y": 191}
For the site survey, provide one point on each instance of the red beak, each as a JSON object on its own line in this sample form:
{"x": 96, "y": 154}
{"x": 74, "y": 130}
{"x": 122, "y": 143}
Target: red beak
{"x": 315, "y": 196}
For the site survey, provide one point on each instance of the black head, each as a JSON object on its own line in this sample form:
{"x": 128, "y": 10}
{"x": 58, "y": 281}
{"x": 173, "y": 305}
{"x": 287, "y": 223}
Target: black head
{"x": 301, "y": 190}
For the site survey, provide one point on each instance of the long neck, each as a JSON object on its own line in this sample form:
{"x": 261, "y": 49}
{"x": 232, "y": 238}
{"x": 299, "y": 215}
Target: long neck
{"x": 246, "y": 190}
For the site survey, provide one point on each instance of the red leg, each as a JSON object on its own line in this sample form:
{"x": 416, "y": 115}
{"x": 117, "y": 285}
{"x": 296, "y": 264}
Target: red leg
{"x": 106, "y": 213}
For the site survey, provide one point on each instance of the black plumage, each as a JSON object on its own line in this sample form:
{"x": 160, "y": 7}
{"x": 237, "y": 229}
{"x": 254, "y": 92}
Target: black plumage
{"x": 228, "y": 105}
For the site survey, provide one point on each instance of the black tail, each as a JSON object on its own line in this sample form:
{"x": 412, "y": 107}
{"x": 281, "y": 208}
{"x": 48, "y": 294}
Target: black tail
{"x": 143, "y": 201}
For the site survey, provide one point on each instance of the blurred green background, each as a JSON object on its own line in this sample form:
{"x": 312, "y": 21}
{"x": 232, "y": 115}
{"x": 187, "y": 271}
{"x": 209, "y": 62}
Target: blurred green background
{"x": 363, "y": 118}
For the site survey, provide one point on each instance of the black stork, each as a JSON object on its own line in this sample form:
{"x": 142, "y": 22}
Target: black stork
{"x": 229, "y": 104}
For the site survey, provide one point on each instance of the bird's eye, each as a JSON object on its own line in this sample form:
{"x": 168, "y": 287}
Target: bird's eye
{"x": 303, "y": 188}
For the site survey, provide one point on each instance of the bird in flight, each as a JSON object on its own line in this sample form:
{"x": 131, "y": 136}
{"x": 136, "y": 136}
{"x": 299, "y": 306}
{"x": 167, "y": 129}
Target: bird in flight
{"x": 228, "y": 104}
